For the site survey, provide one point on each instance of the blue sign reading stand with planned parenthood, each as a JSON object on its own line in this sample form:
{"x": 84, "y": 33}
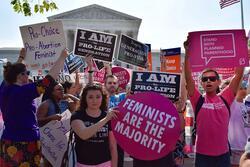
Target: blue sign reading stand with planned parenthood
{"x": 163, "y": 83}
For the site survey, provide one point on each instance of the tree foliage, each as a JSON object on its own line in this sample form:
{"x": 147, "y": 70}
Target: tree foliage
{"x": 26, "y": 7}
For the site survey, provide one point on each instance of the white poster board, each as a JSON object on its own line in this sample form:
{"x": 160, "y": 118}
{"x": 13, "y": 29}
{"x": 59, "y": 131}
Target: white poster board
{"x": 54, "y": 139}
{"x": 44, "y": 43}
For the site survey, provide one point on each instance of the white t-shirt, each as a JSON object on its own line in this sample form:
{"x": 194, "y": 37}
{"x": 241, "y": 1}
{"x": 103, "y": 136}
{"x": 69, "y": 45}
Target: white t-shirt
{"x": 239, "y": 126}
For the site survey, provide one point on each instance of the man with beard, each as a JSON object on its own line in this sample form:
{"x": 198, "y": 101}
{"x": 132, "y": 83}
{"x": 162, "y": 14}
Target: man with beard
{"x": 111, "y": 86}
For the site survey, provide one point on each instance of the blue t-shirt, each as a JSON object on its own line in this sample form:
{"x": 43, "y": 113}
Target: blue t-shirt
{"x": 114, "y": 100}
{"x": 63, "y": 106}
{"x": 19, "y": 112}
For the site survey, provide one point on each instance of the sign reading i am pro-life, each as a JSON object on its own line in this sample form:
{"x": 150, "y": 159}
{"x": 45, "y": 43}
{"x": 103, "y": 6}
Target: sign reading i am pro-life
{"x": 44, "y": 43}
{"x": 221, "y": 48}
{"x": 99, "y": 44}
{"x": 147, "y": 126}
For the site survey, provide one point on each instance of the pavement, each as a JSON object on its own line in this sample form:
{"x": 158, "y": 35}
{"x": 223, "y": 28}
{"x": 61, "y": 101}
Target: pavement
{"x": 188, "y": 162}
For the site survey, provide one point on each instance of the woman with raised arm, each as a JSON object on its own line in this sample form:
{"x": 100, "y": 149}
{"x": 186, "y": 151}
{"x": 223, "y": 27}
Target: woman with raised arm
{"x": 19, "y": 144}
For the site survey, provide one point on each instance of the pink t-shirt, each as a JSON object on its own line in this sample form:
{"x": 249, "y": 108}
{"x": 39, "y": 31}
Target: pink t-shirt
{"x": 212, "y": 123}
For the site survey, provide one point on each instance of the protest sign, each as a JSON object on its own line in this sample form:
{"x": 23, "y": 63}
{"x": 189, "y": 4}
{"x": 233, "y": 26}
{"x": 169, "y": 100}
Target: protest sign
{"x": 99, "y": 76}
{"x": 100, "y": 45}
{"x": 164, "y": 83}
{"x": 1, "y": 124}
{"x": 123, "y": 77}
{"x": 221, "y": 48}
{"x": 249, "y": 43}
{"x": 54, "y": 139}
{"x": 74, "y": 62}
{"x": 147, "y": 126}
{"x": 170, "y": 60}
{"x": 133, "y": 52}
{"x": 99, "y": 65}
{"x": 44, "y": 43}
{"x": 150, "y": 62}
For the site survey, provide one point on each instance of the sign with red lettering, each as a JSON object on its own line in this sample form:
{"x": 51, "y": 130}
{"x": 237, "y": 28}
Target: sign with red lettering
{"x": 147, "y": 126}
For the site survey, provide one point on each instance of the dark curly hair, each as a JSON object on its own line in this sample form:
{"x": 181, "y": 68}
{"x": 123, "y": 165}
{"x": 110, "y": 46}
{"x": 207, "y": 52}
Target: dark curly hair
{"x": 48, "y": 94}
{"x": 11, "y": 71}
{"x": 95, "y": 86}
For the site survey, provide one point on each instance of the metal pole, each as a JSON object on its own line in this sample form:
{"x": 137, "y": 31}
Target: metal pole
{"x": 242, "y": 15}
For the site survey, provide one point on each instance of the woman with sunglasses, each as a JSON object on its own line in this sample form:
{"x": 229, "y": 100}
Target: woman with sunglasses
{"x": 212, "y": 121}
{"x": 95, "y": 142}
{"x": 19, "y": 144}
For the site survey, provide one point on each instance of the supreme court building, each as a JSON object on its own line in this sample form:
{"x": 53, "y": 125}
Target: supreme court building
{"x": 93, "y": 17}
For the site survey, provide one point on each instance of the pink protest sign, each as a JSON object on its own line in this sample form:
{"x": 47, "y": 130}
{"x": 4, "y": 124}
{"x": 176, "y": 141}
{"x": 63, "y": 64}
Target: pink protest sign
{"x": 221, "y": 48}
{"x": 147, "y": 126}
{"x": 99, "y": 76}
{"x": 123, "y": 76}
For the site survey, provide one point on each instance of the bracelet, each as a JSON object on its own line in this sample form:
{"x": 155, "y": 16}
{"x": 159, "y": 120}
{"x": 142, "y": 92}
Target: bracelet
{"x": 90, "y": 71}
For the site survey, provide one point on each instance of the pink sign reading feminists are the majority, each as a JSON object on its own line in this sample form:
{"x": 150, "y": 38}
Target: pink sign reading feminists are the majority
{"x": 221, "y": 48}
{"x": 147, "y": 126}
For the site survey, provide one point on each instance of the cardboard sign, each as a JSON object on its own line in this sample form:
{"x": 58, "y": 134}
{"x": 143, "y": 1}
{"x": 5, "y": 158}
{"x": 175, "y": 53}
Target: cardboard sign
{"x": 171, "y": 60}
{"x": 44, "y": 43}
{"x": 222, "y": 48}
{"x": 123, "y": 77}
{"x": 54, "y": 139}
{"x": 164, "y": 83}
{"x": 100, "y": 45}
{"x": 74, "y": 62}
{"x": 147, "y": 126}
{"x": 133, "y": 52}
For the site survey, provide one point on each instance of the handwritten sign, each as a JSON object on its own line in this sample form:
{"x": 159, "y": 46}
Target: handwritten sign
{"x": 133, "y": 52}
{"x": 74, "y": 62}
{"x": 171, "y": 60}
{"x": 147, "y": 126}
{"x": 54, "y": 139}
{"x": 99, "y": 44}
{"x": 44, "y": 43}
{"x": 164, "y": 83}
{"x": 222, "y": 48}
{"x": 123, "y": 77}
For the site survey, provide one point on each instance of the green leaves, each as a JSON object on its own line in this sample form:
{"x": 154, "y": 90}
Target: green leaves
{"x": 24, "y": 6}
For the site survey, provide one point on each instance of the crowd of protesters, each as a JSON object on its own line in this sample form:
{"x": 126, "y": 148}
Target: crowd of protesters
{"x": 222, "y": 125}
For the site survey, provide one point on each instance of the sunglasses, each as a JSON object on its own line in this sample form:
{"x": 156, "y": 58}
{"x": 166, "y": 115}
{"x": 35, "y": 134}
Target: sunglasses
{"x": 211, "y": 78}
{"x": 25, "y": 73}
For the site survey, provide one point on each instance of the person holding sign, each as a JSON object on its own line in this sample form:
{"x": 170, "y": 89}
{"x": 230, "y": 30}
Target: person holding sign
{"x": 95, "y": 142}
{"x": 20, "y": 145}
{"x": 212, "y": 122}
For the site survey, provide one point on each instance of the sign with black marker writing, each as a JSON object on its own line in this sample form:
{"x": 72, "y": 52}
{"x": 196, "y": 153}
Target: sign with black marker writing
{"x": 44, "y": 43}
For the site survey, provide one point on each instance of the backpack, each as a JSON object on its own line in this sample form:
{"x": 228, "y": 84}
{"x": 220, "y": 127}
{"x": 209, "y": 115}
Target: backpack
{"x": 197, "y": 109}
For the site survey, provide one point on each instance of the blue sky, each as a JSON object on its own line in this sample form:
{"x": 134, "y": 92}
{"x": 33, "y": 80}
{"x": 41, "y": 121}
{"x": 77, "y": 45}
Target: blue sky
{"x": 165, "y": 23}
